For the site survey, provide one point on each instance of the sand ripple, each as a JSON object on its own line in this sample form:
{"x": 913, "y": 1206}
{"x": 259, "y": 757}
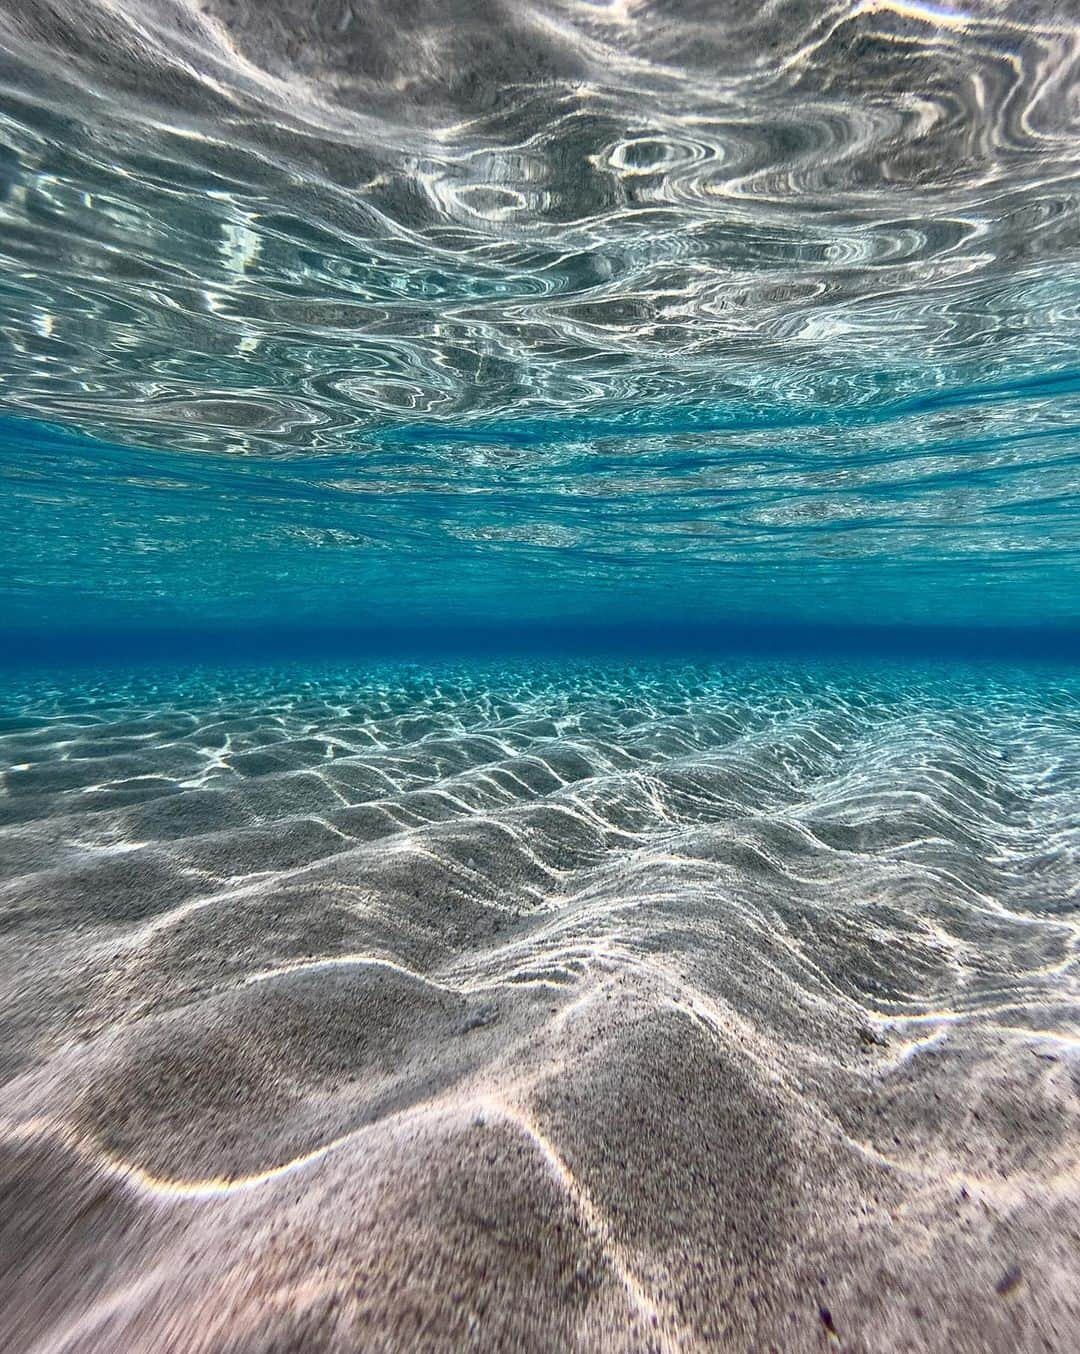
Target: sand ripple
{"x": 538, "y": 1007}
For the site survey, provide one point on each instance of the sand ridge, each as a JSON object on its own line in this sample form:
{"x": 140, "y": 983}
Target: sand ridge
{"x": 684, "y": 1007}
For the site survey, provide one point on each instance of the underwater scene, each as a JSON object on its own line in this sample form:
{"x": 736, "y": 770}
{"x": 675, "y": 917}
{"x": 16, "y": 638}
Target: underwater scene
{"x": 539, "y": 676}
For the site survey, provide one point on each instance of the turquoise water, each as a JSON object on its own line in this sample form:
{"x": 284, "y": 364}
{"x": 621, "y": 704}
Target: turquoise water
{"x": 956, "y": 510}
{"x": 539, "y": 676}
{"x": 676, "y": 327}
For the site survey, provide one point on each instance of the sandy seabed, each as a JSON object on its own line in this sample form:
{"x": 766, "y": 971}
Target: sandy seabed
{"x": 654, "y": 1008}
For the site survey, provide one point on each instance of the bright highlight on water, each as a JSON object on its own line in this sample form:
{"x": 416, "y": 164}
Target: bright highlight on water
{"x": 539, "y": 704}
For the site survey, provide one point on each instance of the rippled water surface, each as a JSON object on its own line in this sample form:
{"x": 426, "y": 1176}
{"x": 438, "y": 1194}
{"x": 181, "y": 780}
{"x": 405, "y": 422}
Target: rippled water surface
{"x": 346, "y": 312}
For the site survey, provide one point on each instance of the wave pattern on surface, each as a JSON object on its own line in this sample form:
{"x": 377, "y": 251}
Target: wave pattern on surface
{"x": 247, "y": 226}
{"x": 563, "y": 300}
{"x": 644, "y": 1008}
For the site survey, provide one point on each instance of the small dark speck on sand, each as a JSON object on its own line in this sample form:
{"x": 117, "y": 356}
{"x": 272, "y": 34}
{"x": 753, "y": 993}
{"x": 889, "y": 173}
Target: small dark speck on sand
{"x": 1009, "y": 1282}
{"x": 826, "y": 1320}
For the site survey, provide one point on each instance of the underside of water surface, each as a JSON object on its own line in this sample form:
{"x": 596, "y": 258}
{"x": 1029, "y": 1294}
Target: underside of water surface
{"x": 539, "y": 676}
{"x": 340, "y": 316}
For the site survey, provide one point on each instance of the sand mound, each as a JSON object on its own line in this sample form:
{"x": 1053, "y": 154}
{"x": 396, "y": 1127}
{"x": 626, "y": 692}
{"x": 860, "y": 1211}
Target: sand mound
{"x": 544, "y": 1009}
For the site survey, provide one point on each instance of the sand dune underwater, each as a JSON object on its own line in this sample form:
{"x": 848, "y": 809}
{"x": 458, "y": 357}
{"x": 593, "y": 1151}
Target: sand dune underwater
{"x": 669, "y": 1006}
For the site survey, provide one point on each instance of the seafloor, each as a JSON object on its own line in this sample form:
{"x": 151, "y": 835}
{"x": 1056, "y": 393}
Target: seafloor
{"x": 525, "y": 1007}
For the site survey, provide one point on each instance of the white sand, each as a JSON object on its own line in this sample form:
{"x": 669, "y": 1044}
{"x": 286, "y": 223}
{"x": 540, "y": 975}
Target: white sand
{"x": 615, "y": 1011}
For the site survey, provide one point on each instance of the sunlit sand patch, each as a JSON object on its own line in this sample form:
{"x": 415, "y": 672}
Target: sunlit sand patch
{"x": 775, "y": 901}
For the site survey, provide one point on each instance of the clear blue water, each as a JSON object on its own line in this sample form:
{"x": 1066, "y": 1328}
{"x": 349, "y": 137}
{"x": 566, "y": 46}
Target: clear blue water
{"x": 681, "y": 324}
{"x": 539, "y": 675}
{"x": 955, "y": 510}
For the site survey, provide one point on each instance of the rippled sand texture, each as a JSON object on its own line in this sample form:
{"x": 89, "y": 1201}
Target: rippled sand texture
{"x": 542, "y": 1008}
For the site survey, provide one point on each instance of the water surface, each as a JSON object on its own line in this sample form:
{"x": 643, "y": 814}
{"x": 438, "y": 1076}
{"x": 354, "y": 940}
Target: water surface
{"x": 349, "y": 315}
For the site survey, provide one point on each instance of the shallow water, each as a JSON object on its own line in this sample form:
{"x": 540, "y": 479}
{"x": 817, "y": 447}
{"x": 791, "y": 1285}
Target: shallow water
{"x": 344, "y": 315}
{"x": 539, "y": 684}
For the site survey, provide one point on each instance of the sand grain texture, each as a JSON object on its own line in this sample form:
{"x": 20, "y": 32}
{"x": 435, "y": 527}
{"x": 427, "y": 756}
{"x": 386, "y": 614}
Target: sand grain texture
{"x": 542, "y": 1008}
